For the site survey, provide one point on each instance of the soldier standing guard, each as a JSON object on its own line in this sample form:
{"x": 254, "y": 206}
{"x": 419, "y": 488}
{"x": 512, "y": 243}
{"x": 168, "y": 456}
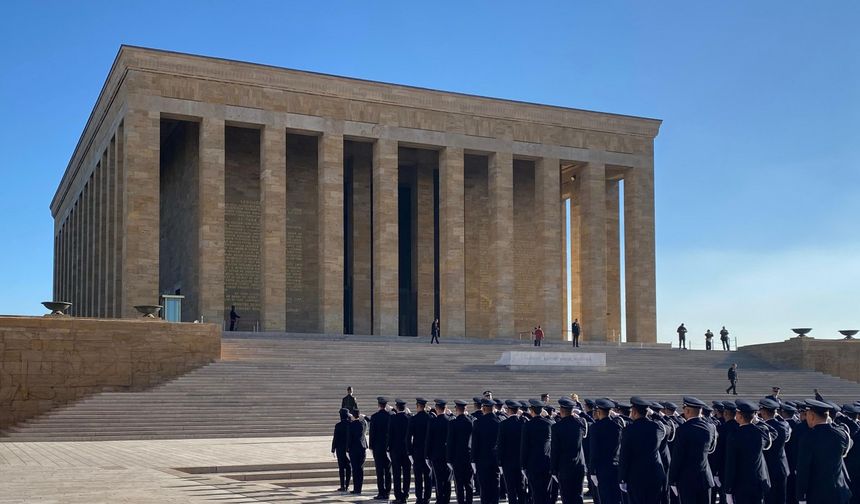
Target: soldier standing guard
{"x": 567, "y": 461}
{"x": 398, "y": 448}
{"x": 690, "y": 475}
{"x": 605, "y": 443}
{"x": 640, "y": 467}
{"x": 508, "y": 452}
{"x": 485, "y": 435}
{"x": 416, "y": 438}
{"x": 709, "y": 337}
{"x": 340, "y": 447}
{"x": 459, "y": 454}
{"x": 724, "y": 338}
{"x": 535, "y": 453}
{"x": 575, "y": 329}
{"x": 357, "y": 449}
{"x": 682, "y": 337}
{"x": 437, "y": 444}
{"x": 379, "y": 446}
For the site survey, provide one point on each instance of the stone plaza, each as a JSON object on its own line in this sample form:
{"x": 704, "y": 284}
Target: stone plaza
{"x": 322, "y": 204}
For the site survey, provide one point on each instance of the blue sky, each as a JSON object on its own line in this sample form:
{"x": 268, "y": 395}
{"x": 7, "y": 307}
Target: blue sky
{"x": 758, "y": 159}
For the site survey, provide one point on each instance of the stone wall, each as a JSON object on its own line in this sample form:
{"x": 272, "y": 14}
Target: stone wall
{"x": 834, "y": 357}
{"x": 46, "y": 362}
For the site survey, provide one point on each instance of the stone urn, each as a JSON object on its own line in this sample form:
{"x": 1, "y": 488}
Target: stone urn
{"x": 848, "y": 333}
{"x": 58, "y": 308}
{"x": 802, "y": 331}
{"x": 148, "y": 311}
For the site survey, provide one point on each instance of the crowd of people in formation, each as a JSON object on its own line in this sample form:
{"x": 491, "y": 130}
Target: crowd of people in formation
{"x": 709, "y": 338}
{"x": 637, "y": 452}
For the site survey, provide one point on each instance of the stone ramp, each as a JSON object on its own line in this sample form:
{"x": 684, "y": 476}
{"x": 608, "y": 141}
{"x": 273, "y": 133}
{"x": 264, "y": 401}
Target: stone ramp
{"x": 292, "y": 386}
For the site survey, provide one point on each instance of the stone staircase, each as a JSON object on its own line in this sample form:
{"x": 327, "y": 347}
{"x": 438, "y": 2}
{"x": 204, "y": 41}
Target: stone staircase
{"x": 278, "y": 385}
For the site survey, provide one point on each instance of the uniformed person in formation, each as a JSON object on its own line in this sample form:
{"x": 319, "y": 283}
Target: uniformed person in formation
{"x": 379, "y": 448}
{"x": 745, "y": 476}
{"x": 798, "y": 427}
{"x": 690, "y": 475}
{"x": 357, "y": 449}
{"x": 535, "y": 453}
{"x": 605, "y": 445}
{"x": 459, "y": 453}
{"x": 567, "y": 461}
{"x": 437, "y": 443}
{"x": 508, "y": 453}
{"x": 777, "y": 462}
{"x": 340, "y": 448}
{"x": 640, "y": 467}
{"x": 852, "y": 460}
{"x": 417, "y": 440}
{"x": 485, "y": 435}
{"x": 821, "y": 473}
{"x": 398, "y": 449}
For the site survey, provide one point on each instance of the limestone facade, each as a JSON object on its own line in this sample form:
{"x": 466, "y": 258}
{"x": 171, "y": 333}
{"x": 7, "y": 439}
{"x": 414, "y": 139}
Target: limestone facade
{"x": 316, "y": 203}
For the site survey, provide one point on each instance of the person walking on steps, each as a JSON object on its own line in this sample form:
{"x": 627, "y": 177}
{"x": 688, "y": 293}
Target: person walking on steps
{"x": 575, "y": 329}
{"x": 234, "y": 318}
{"x": 434, "y": 332}
{"x": 733, "y": 379}
{"x": 724, "y": 337}
{"x": 682, "y": 337}
{"x": 538, "y": 335}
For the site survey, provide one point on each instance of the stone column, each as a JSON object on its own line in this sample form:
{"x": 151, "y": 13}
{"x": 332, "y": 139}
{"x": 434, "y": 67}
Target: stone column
{"x": 613, "y": 262}
{"x": 386, "y": 313}
{"x": 211, "y": 207}
{"x": 273, "y": 210}
{"x": 452, "y": 233}
{"x": 99, "y": 235}
{"x": 565, "y": 325}
{"x": 110, "y": 224}
{"x": 104, "y": 244}
{"x": 89, "y": 282}
{"x": 119, "y": 223}
{"x": 592, "y": 194}
{"x": 640, "y": 276}
{"x": 425, "y": 240}
{"x": 575, "y": 230}
{"x": 501, "y": 259}
{"x": 547, "y": 210}
{"x": 330, "y": 215}
{"x": 140, "y": 210}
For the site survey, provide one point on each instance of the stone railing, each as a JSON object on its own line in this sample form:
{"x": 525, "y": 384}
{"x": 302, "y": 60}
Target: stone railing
{"x": 46, "y": 362}
{"x": 834, "y": 357}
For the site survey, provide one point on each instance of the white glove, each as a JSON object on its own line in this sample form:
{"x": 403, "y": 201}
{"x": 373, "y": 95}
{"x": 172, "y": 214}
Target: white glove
{"x": 451, "y": 467}
{"x": 730, "y": 499}
{"x": 474, "y": 469}
{"x": 674, "y": 490}
{"x": 594, "y": 479}
{"x": 623, "y": 487}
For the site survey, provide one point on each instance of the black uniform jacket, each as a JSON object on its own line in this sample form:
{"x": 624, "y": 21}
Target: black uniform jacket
{"x": 485, "y": 435}
{"x": 605, "y": 444}
{"x": 460, "y": 440}
{"x": 566, "y": 444}
{"x": 379, "y": 430}
{"x": 777, "y": 462}
{"x": 640, "y": 463}
{"x": 535, "y": 444}
{"x": 745, "y": 471}
{"x": 689, "y": 468}
{"x": 398, "y": 429}
{"x": 340, "y": 439}
{"x": 437, "y": 437}
{"x": 416, "y": 436}
{"x": 508, "y": 444}
{"x": 820, "y": 471}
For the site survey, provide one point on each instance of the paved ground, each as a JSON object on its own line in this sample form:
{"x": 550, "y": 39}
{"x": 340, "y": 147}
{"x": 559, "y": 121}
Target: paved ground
{"x": 143, "y": 471}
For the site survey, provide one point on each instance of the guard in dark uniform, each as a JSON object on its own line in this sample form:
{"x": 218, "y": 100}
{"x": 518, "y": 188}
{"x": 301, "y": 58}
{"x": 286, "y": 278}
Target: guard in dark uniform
{"x": 476, "y": 402}
{"x": 777, "y": 462}
{"x": 417, "y": 440}
{"x": 535, "y": 453}
{"x": 437, "y": 448}
{"x": 567, "y": 461}
{"x": 459, "y": 455}
{"x": 690, "y": 475}
{"x": 640, "y": 468}
{"x": 724, "y": 433}
{"x": 379, "y": 447}
{"x": 821, "y": 473}
{"x": 745, "y": 477}
{"x": 791, "y": 412}
{"x": 852, "y": 460}
{"x": 485, "y": 436}
{"x": 398, "y": 449}
{"x": 508, "y": 453}
{"x": 357, "y": 449}
{"x": 605, "y": 445}
{"x": 340, "y": 447}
